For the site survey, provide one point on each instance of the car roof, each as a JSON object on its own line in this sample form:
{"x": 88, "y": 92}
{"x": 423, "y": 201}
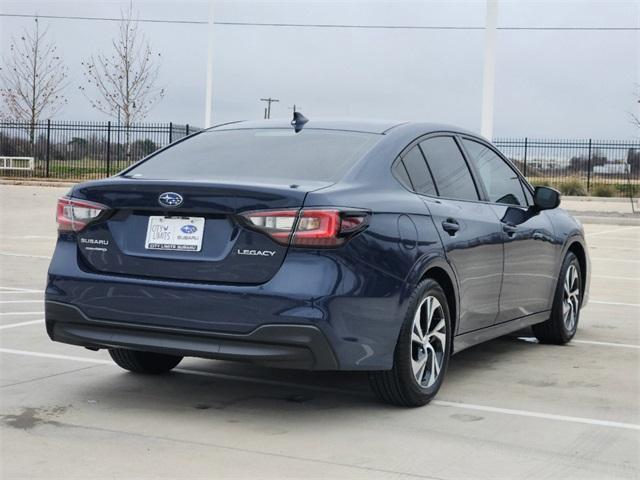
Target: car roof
{"x": 376, "y": 126}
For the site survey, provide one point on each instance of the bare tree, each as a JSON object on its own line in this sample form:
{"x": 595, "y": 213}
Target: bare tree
{"x": 125, "y": 80}
{"x": 33, "y": 78}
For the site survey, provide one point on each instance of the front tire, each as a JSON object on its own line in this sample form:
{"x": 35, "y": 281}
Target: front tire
{"x": 422, "y": 353}
{"x": 144, "y": 362}
{"x": 565, "y": 312}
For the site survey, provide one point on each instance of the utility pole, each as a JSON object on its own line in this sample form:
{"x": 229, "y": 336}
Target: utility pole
{"x": 269, "y": 102}
{"x": 489, "y": 71}
{"x": 294, "y": 108}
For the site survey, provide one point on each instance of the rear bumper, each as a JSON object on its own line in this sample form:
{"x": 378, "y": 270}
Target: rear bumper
{"x": 287, "y": 346}
{"x": 354, "y": 305}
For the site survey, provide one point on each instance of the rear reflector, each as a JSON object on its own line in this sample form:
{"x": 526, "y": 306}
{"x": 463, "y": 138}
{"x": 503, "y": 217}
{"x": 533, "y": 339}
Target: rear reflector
{"x": 73, "y": 215}
{"x": 324, "y": 227}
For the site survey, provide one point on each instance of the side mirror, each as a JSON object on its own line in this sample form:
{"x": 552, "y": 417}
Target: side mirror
{"x": 546, "y": 198}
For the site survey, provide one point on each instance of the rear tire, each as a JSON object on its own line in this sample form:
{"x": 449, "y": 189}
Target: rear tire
{"x": 565, "y": 312}
{"x": 422, "y": 353}
{"x": 144, "y": 362}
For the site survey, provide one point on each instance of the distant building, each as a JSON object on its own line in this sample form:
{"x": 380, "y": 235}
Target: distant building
{"x": 611, "y": 168}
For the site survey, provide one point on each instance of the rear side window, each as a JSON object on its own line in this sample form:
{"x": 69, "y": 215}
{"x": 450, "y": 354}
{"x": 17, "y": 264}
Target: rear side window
{"x": 401, "y": 174}
{"x": 418, "y": 172}
{"x": 501, "y": 181}
{"x": 450, "y": 171}
{"x": 263, "y": 155}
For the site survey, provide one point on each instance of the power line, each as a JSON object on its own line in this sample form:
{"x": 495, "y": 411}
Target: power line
{"x": 323, "y": 25}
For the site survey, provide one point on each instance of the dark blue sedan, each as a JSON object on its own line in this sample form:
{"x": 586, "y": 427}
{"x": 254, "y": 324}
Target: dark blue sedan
{"x": 321, "y": 245}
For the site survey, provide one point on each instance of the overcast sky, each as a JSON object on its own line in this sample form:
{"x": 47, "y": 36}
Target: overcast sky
{"x": 548, "y": 83}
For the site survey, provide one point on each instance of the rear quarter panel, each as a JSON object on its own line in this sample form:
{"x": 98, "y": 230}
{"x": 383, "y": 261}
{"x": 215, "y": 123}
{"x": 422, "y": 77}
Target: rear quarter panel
{"x": 379, "y": 268}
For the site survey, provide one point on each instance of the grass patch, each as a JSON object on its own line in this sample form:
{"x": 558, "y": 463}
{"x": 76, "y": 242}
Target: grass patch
{"x": 573, "y": 187}
{"x": 600, "y": 186}
{"x": 604, "y": 191}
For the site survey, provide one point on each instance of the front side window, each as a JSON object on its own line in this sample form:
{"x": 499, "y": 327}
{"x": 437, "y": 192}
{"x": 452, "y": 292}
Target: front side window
{"x": 450, "y": 171}
{"x": 501, "y": 181}
{"x": 527, "y": 193}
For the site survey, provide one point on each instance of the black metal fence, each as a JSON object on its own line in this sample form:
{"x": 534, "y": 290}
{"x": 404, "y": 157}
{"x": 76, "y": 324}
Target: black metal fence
{"x": 607, "y": 168}
{"x": 82, "y": 150}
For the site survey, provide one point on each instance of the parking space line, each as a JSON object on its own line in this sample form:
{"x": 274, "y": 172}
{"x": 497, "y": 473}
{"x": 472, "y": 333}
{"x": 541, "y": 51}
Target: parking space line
{"x": 442, "y": 403}
{"x": 21, "y": 301}
{"x": 606, "y": 344}
{"x": 608, "y": 248}
{"x": 54, "y": 356}
{"x": 21, "y": 324}
{"x": 622, "y": 304}
{"x": 17, "y": 290}
{"x": 546, "y": 416}
{"x": 610, "y": 231}
{"x": 11, "y": 254}
{"x": 11, "y": 292}
{"x": 608, "y": 259}
{"x": 613, "y": 277}
{"x": 21, "y": 313}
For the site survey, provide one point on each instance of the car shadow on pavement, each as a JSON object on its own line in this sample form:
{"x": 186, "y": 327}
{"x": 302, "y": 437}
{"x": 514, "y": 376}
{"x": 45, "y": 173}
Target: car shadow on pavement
{"x": 214, "y": 386}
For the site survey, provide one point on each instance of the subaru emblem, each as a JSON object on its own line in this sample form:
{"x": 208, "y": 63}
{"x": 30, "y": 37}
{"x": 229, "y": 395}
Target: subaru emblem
{"x": 189, "y": 229}
{"x": 170, "y": 199}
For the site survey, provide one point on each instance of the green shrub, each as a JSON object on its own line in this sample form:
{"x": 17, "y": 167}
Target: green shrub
{"x": 627, "y": 190}
{"x": 572, "y": 187}
{"x": 603, "y": 191}
{"x": 542, "y": 183}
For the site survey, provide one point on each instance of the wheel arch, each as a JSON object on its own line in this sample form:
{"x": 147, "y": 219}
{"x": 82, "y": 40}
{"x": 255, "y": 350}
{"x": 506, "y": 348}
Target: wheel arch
{"x": 442, "y": 277}
{"x": 437, "y": 268}
{"x": 578, "y": 249}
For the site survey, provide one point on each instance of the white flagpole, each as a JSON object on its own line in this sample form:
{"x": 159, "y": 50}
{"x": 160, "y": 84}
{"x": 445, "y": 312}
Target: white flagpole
{"x": 209, "y": 95}
{"x": 489, "y": 71}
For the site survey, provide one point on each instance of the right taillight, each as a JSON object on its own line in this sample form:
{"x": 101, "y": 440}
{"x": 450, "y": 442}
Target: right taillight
{"x": 312, "y": 227}
{"x": 73, "y": 215}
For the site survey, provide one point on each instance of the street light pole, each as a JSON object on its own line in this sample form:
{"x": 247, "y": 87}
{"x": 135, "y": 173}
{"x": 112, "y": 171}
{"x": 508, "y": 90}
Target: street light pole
{"x": 209, "y": 88}
{"x": 489, "y": 71}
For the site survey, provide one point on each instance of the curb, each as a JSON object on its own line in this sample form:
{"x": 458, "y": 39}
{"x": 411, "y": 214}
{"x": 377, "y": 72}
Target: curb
{"x": 37, "y": 183}
{"x": 607, "y": 220}
{"x": 626, "y": 200}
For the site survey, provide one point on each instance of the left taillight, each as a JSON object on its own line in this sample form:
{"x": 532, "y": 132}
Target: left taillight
{"x": 309, "y": 227}
{"x": 73, "y": 215}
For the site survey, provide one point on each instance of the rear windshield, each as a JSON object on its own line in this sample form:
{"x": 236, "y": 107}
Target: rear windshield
{"x": 264, "y": 155}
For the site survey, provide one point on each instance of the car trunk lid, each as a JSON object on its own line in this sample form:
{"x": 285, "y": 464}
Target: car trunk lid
{"x": 201, "y": 240}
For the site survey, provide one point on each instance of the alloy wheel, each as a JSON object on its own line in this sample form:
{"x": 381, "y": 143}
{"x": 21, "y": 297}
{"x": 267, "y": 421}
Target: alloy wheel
{"x": 571, "y": 298}
{"x": 428, "y": 341}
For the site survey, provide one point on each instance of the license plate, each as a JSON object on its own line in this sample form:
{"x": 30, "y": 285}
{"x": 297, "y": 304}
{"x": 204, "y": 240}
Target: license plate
{"x": 175, "y": 233}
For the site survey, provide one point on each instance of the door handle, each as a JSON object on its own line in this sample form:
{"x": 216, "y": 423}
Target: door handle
{"x": 451, "y": 226}
{"x": 509, "y": 229}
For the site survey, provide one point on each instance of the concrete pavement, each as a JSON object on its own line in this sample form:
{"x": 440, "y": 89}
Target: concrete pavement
{"x": 510, "y": 408}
